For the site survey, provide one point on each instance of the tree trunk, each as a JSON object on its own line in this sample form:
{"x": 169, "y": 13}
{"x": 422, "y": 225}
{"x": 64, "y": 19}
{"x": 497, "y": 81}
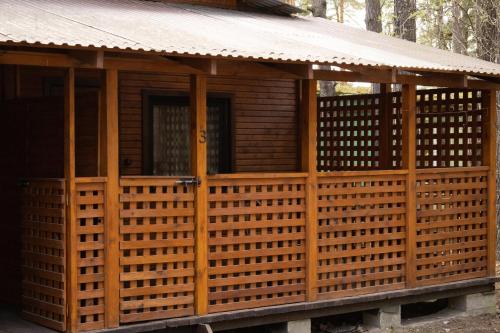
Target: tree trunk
{"x": 326, "y": 88}
{"x": 441, "y": 39}
{"x": 459, "y": 29}
{"x": 341, "y": 11}
{"x": 404, "y": 19}
{"x": 373, "y": 21}
{"x": 319, "y": 8}
{"x": 487, "y": 33}
{"x": 373, "y": 15}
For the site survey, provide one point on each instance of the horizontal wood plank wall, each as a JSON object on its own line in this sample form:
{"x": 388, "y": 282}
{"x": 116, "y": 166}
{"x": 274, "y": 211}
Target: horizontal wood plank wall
{"x": 265, "y": 119}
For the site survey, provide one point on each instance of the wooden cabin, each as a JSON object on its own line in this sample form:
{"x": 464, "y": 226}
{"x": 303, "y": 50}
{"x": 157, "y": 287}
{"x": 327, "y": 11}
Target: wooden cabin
{"x": 169, "y": 164}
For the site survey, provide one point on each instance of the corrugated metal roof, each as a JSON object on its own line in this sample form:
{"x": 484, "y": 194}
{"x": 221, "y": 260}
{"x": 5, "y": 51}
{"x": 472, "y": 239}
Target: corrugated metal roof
{"x": 199, "y": 30}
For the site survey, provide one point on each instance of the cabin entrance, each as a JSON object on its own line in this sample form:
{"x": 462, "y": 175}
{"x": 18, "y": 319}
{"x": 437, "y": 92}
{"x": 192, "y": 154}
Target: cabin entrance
{"x": 33, "y": 203}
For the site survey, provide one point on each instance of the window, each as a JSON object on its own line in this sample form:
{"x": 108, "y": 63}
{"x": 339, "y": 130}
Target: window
{"x": 166, "y": 136}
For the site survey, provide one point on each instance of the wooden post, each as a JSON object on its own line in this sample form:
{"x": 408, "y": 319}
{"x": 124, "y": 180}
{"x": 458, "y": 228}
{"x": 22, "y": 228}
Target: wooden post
{"x": 489, "y": 159}
{"x": 69, "y": 175}
{"x": 110, "y": 166}
{"x": 385, "y": 143}
{"x": 308, "y": 153}
{"x": 198, "y": 105}
{"x": 408, "y": 108}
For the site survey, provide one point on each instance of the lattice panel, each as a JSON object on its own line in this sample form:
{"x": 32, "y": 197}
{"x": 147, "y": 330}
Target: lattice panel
{"x": 396, "y": 133}
{"x": 43, "y": 253}
{"x": 449, "y": 130}
{"x": 348, "y": 132}
{"x": 256, "y": 242}
{"x": 90, "y": 252}
{"x": 451, "y": 225}
{"x": 157, "y": 249}
{"x": 361, "y": 234}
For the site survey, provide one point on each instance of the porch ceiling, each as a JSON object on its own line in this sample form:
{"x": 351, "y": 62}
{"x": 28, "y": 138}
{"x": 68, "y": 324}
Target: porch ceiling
{"x": 203, "y": 31}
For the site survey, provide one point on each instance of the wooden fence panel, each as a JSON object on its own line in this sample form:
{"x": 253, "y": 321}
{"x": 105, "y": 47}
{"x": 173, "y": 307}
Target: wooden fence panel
{"x": 157, "y": 249}
{"x": 256, "y": 241}
{"x": 349, "y": 132}
{"x": 44, "y": 253}
{"x": 451, "y": 225}
{"x": 90, "y": 198}
{"x": 449, "y": 130}
{"x": 361, "y": 233}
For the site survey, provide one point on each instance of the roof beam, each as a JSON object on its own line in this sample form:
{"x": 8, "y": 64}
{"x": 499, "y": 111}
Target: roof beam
{"x": 148, "y": 64}
{"x": 36, "y": 59}
{"x": 301, "y": 71}
{"x": 390, "y": 76}
{"x": 481, "y": 84}
{"x": 371, "y": 70}
{"x": 252, "y": 69}
{"x": 434, "y": 80}
{"x": 205, "y": 65}
{"x": 495, "y": 80}
{"x": 349, "y": 76}
{"x": 92, "y": 59}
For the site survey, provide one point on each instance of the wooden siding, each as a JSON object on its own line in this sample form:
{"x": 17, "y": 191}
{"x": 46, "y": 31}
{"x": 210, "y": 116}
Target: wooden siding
{"x": 264, "y": 119}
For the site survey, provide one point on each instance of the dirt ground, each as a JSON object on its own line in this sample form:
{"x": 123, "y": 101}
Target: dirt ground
{"x": 471, "y": 324}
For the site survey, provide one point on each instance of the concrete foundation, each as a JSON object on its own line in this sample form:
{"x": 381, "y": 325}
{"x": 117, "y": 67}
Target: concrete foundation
{"x": 475, "y": 304}
{"x": 298, "y": 326}
{"x": 387, "y": 318}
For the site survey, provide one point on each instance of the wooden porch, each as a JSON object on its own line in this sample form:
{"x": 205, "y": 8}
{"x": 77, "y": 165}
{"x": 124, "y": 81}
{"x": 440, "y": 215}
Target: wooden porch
{"x": 391, "y": 192}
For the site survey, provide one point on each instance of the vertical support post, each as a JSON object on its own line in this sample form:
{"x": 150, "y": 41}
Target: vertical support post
{"x": 110, "y": 166}
{"x": 489, "y": 159}
{"x": 308, "y": 154}
{"x": 198, "y": 105}
{"x": 385, "y": 143}
{"x": 408, "y": 108}
{"x": 69, "y": 175}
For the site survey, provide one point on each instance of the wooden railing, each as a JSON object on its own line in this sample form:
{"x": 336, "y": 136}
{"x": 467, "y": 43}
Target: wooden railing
{"x": 90, "y": 219}
{"x": 452, "y": 225}
{"x": 156, "y": 249}
{"x": 44, "y": 252}
{"x": 361, "y": 232}
{"x": 257, "y": 239}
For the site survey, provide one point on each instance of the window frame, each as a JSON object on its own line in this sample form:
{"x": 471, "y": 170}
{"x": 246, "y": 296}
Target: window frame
{"x": 148, "y": 99}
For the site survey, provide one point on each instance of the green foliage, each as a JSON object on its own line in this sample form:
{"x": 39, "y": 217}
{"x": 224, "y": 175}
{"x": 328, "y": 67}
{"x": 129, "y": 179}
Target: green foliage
{"x": 346, "y": 88}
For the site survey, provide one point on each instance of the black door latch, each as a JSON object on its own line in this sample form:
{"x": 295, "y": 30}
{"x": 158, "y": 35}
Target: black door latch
{"x": 189, "y": 181}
